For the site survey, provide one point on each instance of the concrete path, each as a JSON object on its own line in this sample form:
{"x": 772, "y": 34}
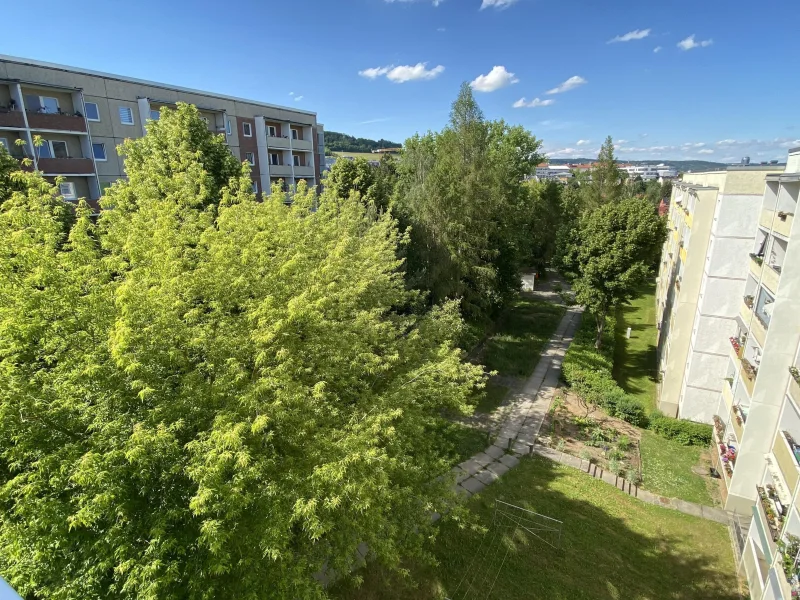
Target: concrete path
{"x": 523, "y": 416}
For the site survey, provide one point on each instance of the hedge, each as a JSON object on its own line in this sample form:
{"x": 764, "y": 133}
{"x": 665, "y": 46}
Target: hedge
{"x": 588, "y": 372}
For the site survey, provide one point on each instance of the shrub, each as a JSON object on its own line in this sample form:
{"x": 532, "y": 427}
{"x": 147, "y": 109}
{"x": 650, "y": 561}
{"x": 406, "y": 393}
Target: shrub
{"x": 632, "y": 411}
{"x": 624, "y": 443}
{"x": 615, "y": 454}
{"x": 616, "y": 466}
{"x": 586, "y": 455}
{"x": 561, "y": 445}
{"x": 584, "y": 422}
{"x": 687, "y": 433}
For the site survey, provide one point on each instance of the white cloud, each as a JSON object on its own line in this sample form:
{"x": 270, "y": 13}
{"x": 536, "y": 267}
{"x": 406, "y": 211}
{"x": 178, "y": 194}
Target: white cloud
{"x": 495, "y": 79}
{"x": 657, "y": 49}
{"x": 688, "y": 145}
{"x": 291, "y": 93}
{"x": 498, "y": 4}
{"x": 620, "y": 142}
{"x": 374, "y": 72}
{"x": 522, "y": 103}
{"x": 583, "y": 142}
{"x": 689, "y": 43}
{"x": 441, "y": 29}
{"x": 569, "y": 84}
{"x": 371, "y": 121}
{"x": 705, "y": 151}
{"x": 636, "y": 34}
{"x": 403, "y": 73}
{"x": 298, "y": 98}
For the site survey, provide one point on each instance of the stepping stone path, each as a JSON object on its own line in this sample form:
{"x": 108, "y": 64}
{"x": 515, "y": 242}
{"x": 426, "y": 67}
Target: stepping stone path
{"x": 523, "y": 416}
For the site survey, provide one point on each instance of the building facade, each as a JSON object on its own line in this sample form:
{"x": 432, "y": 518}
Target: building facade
{"x": 83, "y": 116}
{"x": 712, "y": 220}
{"x": 650, "y": 172}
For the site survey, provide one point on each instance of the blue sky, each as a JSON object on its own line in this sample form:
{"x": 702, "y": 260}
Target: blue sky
{"x": 390, "y": 68}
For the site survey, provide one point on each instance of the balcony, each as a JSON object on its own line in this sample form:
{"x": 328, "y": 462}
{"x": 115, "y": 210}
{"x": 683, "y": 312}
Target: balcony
{"x": 759, "y": 330}
{"x": 281, "y": 142}
{"x": 738, "y": 420}
{"x": 783, "y": 223}
{"x": 766, "y": 522}
{"x": 302, "y": 145}
{"x": 756, "y": 263}
{"x": 56, "y": 122}
{"x": 766, "y": 217}
{"x": 794, "y": 384}
{"x": 11, "y": 118}
{"x": 66, "y": 166}
{"x": 280, "y": 171}
{"x": 746, "y": 309}
{"x": 747, "y": 374}
{"x": 786, "y": 454}
{"x": 770, "y": 276}
{"x": 727, "y": 393}
{"x": 306, "y": 171}
{"x": 754, "y": 570}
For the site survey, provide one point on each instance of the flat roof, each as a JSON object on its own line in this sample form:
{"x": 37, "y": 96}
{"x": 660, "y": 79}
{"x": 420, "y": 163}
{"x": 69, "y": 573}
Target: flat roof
{"x": 784, "y": 177}
{"x": 68, "y": 69}
{"x": 793, "y": 150}
{"x": 694, "y": 186}
{"x": 767, "y": 167}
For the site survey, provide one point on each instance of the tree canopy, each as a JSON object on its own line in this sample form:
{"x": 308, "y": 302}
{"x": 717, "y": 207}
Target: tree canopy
{"x": 206, "y": 396}
{"x": 612, "y": 253}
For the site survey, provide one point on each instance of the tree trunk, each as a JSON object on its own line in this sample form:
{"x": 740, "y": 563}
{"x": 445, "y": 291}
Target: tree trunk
{"x": 600, "y": 319}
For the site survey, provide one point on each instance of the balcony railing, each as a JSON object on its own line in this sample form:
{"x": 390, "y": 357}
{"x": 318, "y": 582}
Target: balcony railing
{"x": 794, "y": 384}
{"x": 748, "y": 301}
{"x": 57, "y": 121}
{"x": 767, "y": 521}
{"x": 786, "y": 454}
{"x": 789, "y": 550}
{"x": 11, "y": 118}
{"x": 66, "y": 166}
{"x": 783, "y": 224}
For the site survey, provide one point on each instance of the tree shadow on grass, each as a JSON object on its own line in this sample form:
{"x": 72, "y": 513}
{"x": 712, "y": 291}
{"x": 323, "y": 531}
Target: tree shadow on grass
{"x": 612, "y": 547}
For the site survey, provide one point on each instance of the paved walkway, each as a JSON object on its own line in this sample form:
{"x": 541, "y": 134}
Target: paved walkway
{"x": 523, "y": 419}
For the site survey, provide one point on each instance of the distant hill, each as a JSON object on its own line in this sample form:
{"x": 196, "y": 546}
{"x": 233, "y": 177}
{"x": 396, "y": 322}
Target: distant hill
{"x": 681, "y": 165}
{"x": 341, "y": 142}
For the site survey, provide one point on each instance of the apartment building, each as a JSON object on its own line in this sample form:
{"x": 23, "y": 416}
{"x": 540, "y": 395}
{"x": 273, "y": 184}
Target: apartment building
{"x": 650, "y": 172}
{"x": 757, "y": 417}
{"x": 83, "y": 116}
{"x": 712, "y": 220}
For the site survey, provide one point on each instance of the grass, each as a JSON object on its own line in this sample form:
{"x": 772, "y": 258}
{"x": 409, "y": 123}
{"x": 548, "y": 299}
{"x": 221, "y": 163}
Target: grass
{"x": 521, "y": 334}
{"x": 612, "y": 547}
{"x": 636, "y": 359}
{"x": 491, "y": 398}
{"x": 465, "y": 441}
{"x": 666, "y": 465}
{"x": 667, "y": 469}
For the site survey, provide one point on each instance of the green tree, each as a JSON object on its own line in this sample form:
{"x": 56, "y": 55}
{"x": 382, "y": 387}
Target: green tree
{"x": 613, "y": 254}
{"x": 374, "y": 185}
{"x": 608, "y": 181}
{"x": 546, "y": 218}
{"x": 206, "y": 396}
{"x": 461, "y": 193}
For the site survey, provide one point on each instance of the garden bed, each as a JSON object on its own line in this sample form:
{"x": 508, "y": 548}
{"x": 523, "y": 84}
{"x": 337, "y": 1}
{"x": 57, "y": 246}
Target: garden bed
{"x": 607, "y": 441}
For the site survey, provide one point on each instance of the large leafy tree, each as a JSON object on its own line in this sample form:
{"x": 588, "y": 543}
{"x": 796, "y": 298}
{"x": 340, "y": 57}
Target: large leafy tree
{"x": 206, "y": 396}
{"x": 613, "y": 253}
{"x": 373, "y": 184}
{"x": 461, "y": 192}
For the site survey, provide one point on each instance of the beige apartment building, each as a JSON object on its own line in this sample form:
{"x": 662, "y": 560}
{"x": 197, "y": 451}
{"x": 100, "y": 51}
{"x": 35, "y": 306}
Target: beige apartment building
{"x": 83, "y": 116}
{"x": 712, "y": 222}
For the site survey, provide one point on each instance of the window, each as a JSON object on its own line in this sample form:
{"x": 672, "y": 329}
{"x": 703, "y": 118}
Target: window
{"x": 4, "y": 143}
{"x": 99, "y": 151}
{"x": 272, "y": 131}
{"x": 247, "y": 129}
{"x": 250, "y": 158}
{"x": 255, "y": 187}
{"x": 227, "y": 126}
{"x": 274, "y": 158}
{"x": 294, "y": 134}
{"x": 296, "y": 159}
{"x": 92, "y": 111}
{"x": 155, "y": 115}
{"x": 44, "y": 150}
{"x": 67, "y": 190}
{"x": 125, "y": 115}
{"x": 59, "y": 149}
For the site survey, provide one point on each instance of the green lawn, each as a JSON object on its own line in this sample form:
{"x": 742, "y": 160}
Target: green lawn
{"x": 491, "y": 397}
{"x": 521, "y": 334}
{"x": 666, "y": 466}
{"x": 465, "y": 441}
{"x": 612, "y": 547}
{"x": 635, "y": 359}
{"x": 667, "y": 470}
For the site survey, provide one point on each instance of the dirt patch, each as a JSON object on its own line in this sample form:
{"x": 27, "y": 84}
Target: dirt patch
{"x": 607, "y": 441}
